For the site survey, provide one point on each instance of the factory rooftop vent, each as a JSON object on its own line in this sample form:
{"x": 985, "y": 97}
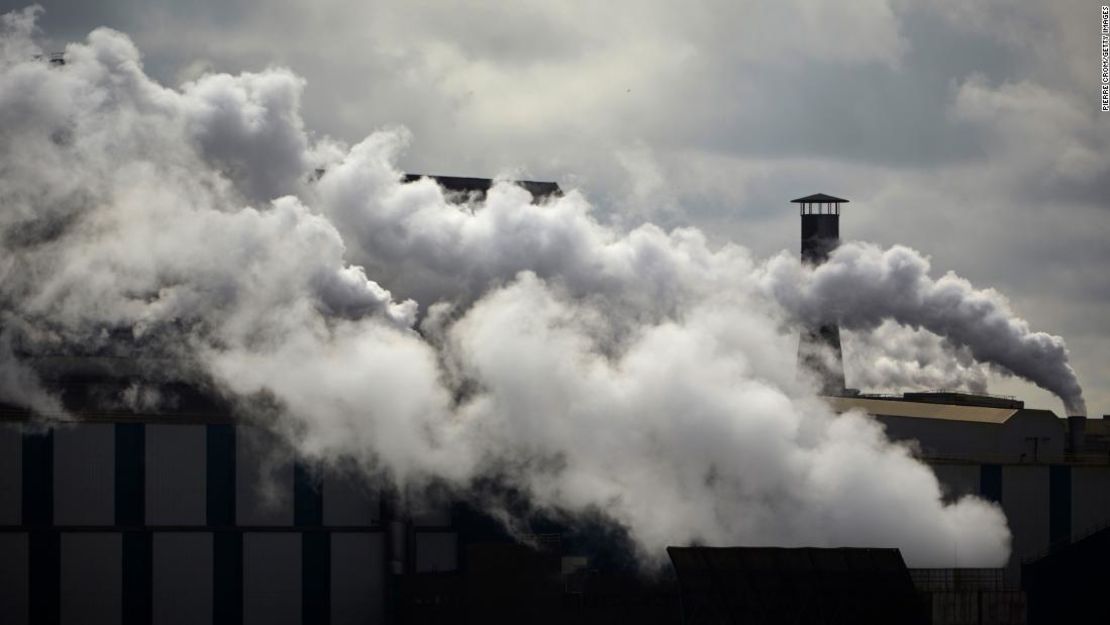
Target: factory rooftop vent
{"x": 479, "y": 186}
{"x": 55, "y": 59}
{"x": 820, "y": 204}
{"x": 819, "y": 198}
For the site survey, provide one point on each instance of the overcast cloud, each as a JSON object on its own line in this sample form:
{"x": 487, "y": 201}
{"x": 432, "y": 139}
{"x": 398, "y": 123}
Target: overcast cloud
{"x": 969, "y": 131}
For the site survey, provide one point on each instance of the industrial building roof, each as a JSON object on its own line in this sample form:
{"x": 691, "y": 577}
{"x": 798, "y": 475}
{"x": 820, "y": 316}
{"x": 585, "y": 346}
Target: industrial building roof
{"x": 922, "y": 410}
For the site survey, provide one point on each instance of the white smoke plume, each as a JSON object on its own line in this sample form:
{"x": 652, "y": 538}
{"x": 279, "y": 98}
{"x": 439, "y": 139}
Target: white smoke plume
{"x": 862, "y": 285}
{"x": 643, "y": 375}
{"x": 892, "y": 358}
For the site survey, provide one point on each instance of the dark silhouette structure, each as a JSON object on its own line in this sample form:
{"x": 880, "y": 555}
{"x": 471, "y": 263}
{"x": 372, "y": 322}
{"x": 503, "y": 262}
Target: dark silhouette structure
{"x": 1068, "y": 584}
{"x": 819, "y": 349}
{"x": 152, "y": 512}
{"x": 771, "y": 585}
{"x": 479, "y": 186}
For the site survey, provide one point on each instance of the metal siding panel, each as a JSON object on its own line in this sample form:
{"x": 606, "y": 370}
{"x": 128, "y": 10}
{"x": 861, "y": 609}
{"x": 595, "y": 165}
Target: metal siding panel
{"x": 308, "y": 505}
{"x": 1025, "y": 502}
{"x": 437, "y": 552}
{"x": 14, "y": 600}
{"x": 264, "y": 479}
{"x": 357, "y": 578}
{"x": 432, "y": 514}
{"x": 349, "y": 501}
{"x": 84, "y": 474}
{"x": 176, "y": 473}
{"x": 11, "y": 474}
{"x": 90, "y": 579}
{"x": 271, "y": 578}
{"x": 1090, "y": 500}
{"x": 182, "y": 579}
{"x": 958, "y": 480}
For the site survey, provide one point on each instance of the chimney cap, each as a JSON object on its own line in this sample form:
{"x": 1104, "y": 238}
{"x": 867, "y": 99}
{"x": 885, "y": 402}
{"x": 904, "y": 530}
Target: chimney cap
{"x": 819, "y": 198}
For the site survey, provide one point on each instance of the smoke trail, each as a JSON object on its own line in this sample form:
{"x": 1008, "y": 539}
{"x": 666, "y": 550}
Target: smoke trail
{"x": 861, "y": 285}
{"x": 893, "y": 358}
{"x": 430, "y": 249}
{"x": 641, "y": 375}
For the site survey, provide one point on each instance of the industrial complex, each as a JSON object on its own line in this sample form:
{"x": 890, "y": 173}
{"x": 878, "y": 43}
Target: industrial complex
{"x": 186, "y": 516}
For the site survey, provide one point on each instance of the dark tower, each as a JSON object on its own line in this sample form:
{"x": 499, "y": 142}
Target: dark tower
{"x": 819, "y": 349}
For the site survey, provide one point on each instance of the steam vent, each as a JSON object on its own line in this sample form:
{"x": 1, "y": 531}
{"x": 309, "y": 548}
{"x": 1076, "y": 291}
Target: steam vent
{"x": 819, "y": 348}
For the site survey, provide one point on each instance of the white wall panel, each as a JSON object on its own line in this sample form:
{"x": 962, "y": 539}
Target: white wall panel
{"x": 11, "y": 474}
{"x": 264, "y": 479}
{"x": 957, "y": 480}
{"x": 272, "y": 578}
{"x": 84, "y": 474}
{"x": 436, "y": 552}
{"x": 348, "y": 500}
{"x": 430, "y": 513}
{"x": 181, "y": 587}
{"x": 1090, "y": 499}
{"x": 13, "y": 578}
{"x": 357, "y": 578}
{"x": 90, "y": 579}
{"x": 176, "y": 474}
{"x": 1025, "y": 502}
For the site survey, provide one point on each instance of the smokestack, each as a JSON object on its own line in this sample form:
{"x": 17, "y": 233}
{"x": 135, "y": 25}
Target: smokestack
{"x": 819, "y": 349}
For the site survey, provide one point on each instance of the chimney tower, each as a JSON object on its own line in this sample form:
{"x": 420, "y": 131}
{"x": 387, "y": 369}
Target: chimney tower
{"x": 819, "y": 348}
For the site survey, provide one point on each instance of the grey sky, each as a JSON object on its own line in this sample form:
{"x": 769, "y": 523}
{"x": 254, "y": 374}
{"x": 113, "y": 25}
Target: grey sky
{"x": 968, "y": 130}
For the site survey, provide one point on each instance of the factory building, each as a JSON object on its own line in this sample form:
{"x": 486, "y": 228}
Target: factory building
{"x": 183, "y": 515}
{"x": 1053, "y": 489}
{"x": 1051, "y": 476}
{"x": 187, "y": 518}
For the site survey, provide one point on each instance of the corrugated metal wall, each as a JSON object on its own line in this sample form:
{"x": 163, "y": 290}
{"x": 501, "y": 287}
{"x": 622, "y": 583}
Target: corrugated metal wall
{"x": 121, "y": 523}
{"x": 213, "y": 523}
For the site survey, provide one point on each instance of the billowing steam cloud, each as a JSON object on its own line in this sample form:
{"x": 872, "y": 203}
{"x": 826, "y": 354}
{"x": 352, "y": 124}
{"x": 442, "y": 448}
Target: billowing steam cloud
{"x": 894, "y": 358}
{"x": 863, "y": 285}
{"x": 641, "y": 375}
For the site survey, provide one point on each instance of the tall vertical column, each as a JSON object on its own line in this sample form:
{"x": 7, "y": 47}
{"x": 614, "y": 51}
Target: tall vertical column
{"x": 819, "y": 347}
